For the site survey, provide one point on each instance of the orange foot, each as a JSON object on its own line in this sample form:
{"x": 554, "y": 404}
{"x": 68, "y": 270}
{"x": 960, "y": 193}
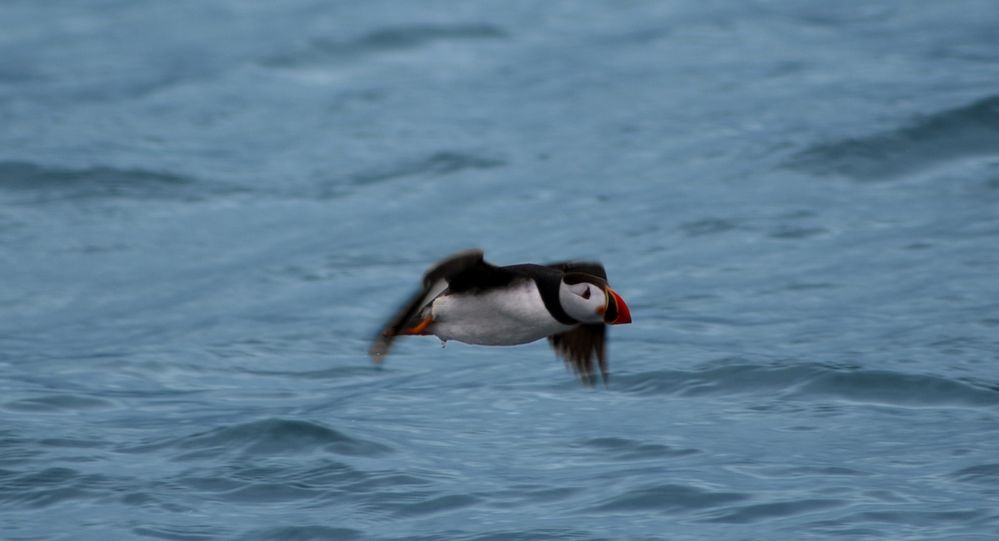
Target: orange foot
{"x": 419, "y": 328}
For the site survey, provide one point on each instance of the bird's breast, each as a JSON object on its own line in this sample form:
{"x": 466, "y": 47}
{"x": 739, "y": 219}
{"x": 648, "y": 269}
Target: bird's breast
{"x": 499, "y": 317}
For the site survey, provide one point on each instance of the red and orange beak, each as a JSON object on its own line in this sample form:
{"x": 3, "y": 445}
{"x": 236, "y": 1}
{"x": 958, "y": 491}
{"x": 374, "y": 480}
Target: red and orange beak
{"x": 617, "y": 311}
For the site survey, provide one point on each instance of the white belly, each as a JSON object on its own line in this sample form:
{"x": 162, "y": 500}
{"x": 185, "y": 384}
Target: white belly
{"x": 506, "y": 317}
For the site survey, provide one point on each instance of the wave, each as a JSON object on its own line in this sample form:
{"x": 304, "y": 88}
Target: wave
{"x": 918, "y": 519}
{"x": 318, "y": 50}
{"x": 180, "y": 532}
{"x": 978, "y": 474}
{"x": 431, "y": 505}
{"x": 669, "y": 497}
{"x": 32, "y": 183}
{"x": 58, "y": 403}
{"x": 324, "y": 533}
{"x": 769, "y": 510}
{"x": 807, "y": 381}
{"x": 302, "y": 533}
{"x": 627, "y": 449}
{"x": 29, "y": 182}
{"x": 961, "y": 132}
{"x": 50, "y": 486}
{"x": 709, "y": 226}
{"x": 544, "y": 534}
{"x": 437, "y": 164}
{"x": 267, "y": 437}
{"x": 418, "y": 35}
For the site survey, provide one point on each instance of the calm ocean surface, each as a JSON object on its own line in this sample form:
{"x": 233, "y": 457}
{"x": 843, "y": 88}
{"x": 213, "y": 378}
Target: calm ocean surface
{"x": 207, "y": 208}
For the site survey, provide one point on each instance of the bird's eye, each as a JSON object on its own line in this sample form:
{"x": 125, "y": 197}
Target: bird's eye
{"x": 586, "y": 293}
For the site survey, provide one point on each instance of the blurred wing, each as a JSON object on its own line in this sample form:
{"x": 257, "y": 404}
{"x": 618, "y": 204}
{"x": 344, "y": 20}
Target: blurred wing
{"x": 580, "y": 347}
{"x": 454, "y": 265}
{"x": 402, "y": 319}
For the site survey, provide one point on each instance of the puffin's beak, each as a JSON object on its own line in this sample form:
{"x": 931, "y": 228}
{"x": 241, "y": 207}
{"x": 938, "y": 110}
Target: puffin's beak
{"x": 619, "y": 313}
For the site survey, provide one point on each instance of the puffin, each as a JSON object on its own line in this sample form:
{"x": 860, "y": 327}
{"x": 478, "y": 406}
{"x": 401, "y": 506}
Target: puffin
{"x": 466, "y": 299}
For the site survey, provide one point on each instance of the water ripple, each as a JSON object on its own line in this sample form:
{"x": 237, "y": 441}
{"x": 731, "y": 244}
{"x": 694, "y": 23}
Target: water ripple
{"x": 809, "y": 381}
{"x": 284, "y": 479}
{"x": 301, "y": 533}
{"x": 981, "y": 473}
{"x": 50, "y": 486}
{"x": 180, "y": 532}
{"x": 439, "y": 504}
{"x": 669, "y": 497}
{"x": 898, "y": 389}
{"x": 922, "y": 518}
{"x": 533, "y": 535}
{"x": 58, "y": 403}
{"x": 267, "y": 437}
{"x": 948, "y": 135}
{"x": 762, "y": 511}
{"x": 318, "y": 50}
{"x": 33, "y": 183}
{"x": 437, "y": 164}
{"x": 626, "y": 449}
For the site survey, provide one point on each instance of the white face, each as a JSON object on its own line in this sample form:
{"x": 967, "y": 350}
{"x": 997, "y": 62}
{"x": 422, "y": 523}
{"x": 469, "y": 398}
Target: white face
{"x": 584, "y": 302}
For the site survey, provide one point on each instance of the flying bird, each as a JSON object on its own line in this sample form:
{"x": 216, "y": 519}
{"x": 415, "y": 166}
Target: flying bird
{"x": 464, "y": 298}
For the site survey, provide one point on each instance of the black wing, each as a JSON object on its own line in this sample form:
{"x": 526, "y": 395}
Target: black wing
{"x": 579, "y": 347}
{"x": 460, "y": 272}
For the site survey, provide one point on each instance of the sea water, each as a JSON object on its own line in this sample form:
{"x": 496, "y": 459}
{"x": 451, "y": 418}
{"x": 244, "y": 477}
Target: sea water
{"x": 208, "y": 208}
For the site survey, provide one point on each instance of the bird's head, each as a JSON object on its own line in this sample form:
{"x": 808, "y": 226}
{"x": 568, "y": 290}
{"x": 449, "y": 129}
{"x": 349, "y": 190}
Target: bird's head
{"x": 588, "y": 299}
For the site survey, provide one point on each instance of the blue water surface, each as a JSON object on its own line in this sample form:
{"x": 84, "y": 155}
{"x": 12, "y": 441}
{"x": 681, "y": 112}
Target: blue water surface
{"x": 207, "y": 208}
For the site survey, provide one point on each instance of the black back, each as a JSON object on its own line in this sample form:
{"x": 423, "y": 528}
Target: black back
{"x": 585, "y": 267}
